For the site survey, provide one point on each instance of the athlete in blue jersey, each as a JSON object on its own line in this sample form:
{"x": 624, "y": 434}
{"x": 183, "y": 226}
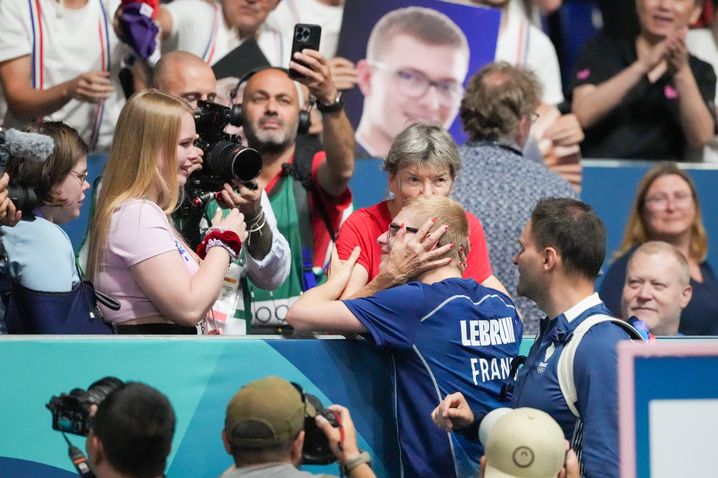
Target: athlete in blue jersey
{"x": 445, "y": 333}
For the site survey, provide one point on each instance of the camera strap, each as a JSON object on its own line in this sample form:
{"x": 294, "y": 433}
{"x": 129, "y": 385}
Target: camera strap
{"x": 78, "y": 459}
{"x": 301, "y": 169}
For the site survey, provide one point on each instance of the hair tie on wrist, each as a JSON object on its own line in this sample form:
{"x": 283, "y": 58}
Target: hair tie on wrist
{"x": 215, "y": 237}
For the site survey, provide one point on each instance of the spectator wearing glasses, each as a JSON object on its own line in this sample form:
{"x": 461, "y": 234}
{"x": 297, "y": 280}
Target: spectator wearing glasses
{"x": 445, "y": 333}
{"x": 499, "y": 184}
{"x": 666, "y": 208}
{"x": 416, "y": 62}
{"x": 423, "y": 161}
{"x": 40, "y": 254}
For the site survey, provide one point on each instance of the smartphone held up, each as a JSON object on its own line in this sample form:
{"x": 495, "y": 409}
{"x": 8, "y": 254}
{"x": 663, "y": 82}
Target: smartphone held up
{"x": 306, "y": 36}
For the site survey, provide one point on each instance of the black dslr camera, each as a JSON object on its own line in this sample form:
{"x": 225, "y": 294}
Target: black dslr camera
{"x": 225, "y": 158}
{"x": 316, "y": 450}
{"x": 71, "y": 411}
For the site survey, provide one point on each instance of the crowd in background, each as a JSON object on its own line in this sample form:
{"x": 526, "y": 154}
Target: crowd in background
{"x": 283, "y": 246}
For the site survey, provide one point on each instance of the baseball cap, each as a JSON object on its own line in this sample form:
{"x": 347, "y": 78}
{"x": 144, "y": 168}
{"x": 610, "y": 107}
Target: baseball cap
{"x": 525, "y": 443}
{"x": 264, "y": 413}
{"x": 138, "y": 28}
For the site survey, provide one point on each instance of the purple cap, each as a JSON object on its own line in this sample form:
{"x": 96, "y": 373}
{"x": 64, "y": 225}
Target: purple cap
{"x": 139, "y": 30}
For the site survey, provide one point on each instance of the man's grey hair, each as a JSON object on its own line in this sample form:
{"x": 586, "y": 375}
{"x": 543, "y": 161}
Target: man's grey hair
{"x": 665, "y": 249}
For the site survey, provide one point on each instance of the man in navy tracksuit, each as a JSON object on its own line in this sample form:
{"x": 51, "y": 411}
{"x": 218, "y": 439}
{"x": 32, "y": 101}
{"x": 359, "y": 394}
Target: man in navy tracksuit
{"x": 561, "y": 251}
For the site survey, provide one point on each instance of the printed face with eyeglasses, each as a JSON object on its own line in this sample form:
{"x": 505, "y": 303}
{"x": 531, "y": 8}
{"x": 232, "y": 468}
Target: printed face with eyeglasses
{"x": 410, "y": 81}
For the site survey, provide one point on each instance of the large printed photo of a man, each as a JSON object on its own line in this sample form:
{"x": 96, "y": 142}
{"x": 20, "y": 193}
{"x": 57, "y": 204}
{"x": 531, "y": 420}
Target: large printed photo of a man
{"x": 411, "y": 64}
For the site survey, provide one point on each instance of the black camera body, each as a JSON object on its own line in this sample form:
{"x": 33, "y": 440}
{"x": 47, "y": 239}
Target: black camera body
{"x": 316, "y": 450}
{"x": 71, "y": 411}
{"x": 23, "y": 197}
{"x": 225, "y": 158}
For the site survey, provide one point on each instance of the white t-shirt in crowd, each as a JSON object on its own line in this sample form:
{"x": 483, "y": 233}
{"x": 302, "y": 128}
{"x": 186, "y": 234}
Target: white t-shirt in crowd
{"x": 199, "y": 27}
{"x": 71, "y": 45}
{"x": 522, "y": 44}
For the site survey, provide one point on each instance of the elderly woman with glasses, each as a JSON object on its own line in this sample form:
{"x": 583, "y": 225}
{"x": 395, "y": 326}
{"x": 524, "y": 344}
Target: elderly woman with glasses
{"x": 423, "y": 161}
{"x": 39, "y": 253}
{"x": 666, "y": 208}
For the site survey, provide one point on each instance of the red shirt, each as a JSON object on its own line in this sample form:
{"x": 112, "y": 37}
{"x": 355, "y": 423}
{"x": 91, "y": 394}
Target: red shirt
{"x": 364, "y": 227}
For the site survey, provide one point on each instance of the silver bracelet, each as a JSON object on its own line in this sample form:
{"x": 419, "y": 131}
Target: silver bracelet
{"x": 360, "y": 459}
{"x": 255, "y": 226}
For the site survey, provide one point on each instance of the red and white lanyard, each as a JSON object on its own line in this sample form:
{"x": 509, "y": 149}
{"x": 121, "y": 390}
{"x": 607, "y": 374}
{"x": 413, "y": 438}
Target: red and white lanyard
{"x": 522, "y": 49}
{"x": 212, "y": 43}
{"x": 38, "y": 56}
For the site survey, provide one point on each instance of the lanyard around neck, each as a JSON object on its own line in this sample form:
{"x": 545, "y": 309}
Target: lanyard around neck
{"x": 209, "y": 49}
{"x": 38, "y": 56}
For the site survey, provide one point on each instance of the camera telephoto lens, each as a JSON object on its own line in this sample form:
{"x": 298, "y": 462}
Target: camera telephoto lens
{"x": 233, "y": 161}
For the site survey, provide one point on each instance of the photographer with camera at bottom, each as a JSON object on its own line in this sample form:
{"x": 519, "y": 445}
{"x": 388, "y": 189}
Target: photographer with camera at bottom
{"x": 271, "y": 424}
{"x": 131, "y": 434}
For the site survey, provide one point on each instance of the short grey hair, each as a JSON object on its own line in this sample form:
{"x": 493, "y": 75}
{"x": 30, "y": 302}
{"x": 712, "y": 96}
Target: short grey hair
{"x": 665, "y": 249}
{"x": 423, "y": 144}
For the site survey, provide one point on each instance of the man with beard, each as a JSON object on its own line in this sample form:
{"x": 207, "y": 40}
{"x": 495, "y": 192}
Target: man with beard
{"x": 308, "y": 189}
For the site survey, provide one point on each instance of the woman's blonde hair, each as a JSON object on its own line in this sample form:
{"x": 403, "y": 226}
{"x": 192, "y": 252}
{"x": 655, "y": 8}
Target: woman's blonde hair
{"x": 636, "y": 233}
{"x": 147, "y": 130}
